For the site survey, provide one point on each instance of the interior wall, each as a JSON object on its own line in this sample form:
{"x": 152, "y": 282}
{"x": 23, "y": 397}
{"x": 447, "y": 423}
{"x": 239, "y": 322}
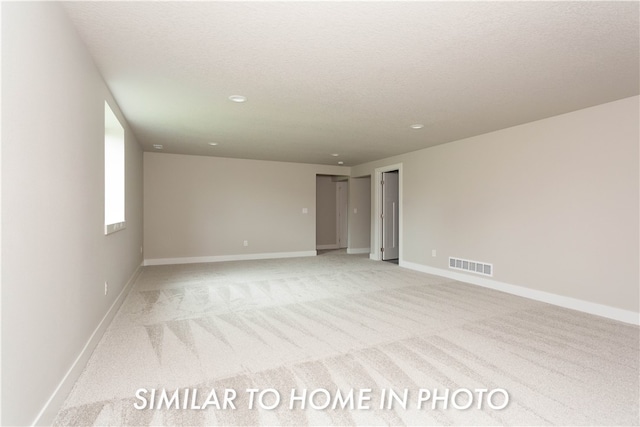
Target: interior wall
{"x": 553, "y": 204}
{"x": 208, "y": 206}
{"x": 342, "y": 209}
{"x": 326, "y": 205}
{"x": 55, "y": 256}
{"x": 360, "y": 213}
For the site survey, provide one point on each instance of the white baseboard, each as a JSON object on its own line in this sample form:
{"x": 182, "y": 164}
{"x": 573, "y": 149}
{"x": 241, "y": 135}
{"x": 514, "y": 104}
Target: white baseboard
{"x": 55, "y": 402}
{"x": 223, "y": 258}
{"x": 602, "y": 310}
{"x": 358, "y": 250}
{"x": 326, "y": 247}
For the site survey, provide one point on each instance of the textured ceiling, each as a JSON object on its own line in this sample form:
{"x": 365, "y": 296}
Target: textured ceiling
{"x": 350, "y": 77}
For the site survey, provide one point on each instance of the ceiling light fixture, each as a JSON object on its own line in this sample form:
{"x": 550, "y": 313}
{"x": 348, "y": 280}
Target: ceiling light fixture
{"x": 417, "y": 126}
{"x": 158, "y": 146}
{"x": 335, "y": 154}
{"x": 213, "y": 144}
{"x": 238, "y": 98}
{"x": 341, "y": 163}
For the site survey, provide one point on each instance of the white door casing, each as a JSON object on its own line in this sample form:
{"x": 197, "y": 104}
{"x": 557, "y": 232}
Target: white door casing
{"x": 390, "y": 215}
{"x": 376, "y": 211}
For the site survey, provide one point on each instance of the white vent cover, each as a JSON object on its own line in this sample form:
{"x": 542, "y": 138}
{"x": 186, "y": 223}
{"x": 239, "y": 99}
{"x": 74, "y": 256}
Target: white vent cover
{"x": 472, "y": 266}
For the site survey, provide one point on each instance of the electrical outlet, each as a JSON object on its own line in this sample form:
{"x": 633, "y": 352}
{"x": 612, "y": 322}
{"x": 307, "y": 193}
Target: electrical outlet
{"x": 245, "y": 243}
{"x": 305, "y": 210}
{"x": 433, "y": 252}
{"x": 106, "y": 288}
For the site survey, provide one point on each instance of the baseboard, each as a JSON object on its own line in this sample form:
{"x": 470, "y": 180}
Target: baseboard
{"x": 55, "y": 402}
{"x": 602, "y": 310}
{"x": 358, "y": 250}
{"x": 223, "y": 258}
{"x": 326, "y": 247}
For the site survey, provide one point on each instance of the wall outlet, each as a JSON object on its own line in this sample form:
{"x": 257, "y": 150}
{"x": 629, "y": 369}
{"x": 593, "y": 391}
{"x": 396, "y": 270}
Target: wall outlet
{"x": 433, "y": 252}
{"x": 355, "y": 210}
{"x": 106, "y": 288}
{"x": 245, "y": 243}
{"x": 305, "y": 210}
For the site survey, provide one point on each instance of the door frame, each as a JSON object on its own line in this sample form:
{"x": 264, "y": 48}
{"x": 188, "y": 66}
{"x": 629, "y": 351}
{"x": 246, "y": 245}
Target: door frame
{"x": 390, "y": 216}
{"x": 376, "y": 247}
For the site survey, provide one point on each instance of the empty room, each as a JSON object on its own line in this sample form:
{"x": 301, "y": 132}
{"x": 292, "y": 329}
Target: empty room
{"x": 320, "y": 213}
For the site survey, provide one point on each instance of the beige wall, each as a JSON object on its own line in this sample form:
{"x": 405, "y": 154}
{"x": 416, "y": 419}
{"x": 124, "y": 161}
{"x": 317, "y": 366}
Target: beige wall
{"x": 326, "y": 220}
{"x": 553, "y": 204}
{"x": 207, "y": 206}
{"x": 360, "y": 219}
{"x": 55, "y": 256}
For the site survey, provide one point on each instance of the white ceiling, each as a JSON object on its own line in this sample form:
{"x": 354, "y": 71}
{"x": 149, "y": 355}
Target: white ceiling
{"x": 350, "y": 77}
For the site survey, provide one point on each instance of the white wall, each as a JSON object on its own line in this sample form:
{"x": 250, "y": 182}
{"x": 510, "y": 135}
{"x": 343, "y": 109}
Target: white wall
{"x": 359, "y": 213}
{"x": 553, "y": 204}
{"x": 342, "y": 213}
{"x": 197, "y": 207}
{"x": 55, "y": 256}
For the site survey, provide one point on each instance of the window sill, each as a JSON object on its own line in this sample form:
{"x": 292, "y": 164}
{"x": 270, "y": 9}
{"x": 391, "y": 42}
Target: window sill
{"x": 112, "y": 228}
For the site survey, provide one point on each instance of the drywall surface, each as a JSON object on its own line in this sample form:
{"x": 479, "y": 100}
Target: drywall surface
{"x": 326, "y": 221}
{"x": 552, "y": 204}
{"x": 359, "y": 213}
{"x": 55, "y": 256}
{"x": 209, "y": 206}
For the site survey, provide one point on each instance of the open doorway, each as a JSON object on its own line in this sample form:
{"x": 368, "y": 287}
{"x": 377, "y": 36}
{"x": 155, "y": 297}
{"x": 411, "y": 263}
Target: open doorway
{"x": 390, "y": 216}
{"x": 387, "y": 227}
{"x": 332, "y": 200}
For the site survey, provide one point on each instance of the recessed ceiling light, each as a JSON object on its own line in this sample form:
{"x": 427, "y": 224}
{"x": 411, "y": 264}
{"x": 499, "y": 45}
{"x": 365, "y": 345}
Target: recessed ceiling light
{"x": 341, "y": 163}
{"x": 158, "y": 146}
{"x": 238, "y": 98}
{"x": 213, "y": 144}
{"x": 335, "y": 154}
{"x": 417, "y": 126}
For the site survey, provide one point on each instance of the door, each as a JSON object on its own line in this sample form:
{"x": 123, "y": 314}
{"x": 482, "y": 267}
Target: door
{"x": 390, "y": 214}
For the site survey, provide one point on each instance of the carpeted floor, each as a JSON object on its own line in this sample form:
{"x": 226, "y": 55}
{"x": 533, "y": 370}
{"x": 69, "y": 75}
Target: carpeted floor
{"x": 343, "y": 322}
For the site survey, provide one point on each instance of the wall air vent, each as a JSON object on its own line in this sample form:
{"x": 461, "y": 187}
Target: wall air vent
{"x": 473, "y": 266}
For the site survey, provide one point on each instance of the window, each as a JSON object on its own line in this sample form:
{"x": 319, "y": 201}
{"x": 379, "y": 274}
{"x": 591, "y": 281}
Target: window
{"x": 113, "y": 172}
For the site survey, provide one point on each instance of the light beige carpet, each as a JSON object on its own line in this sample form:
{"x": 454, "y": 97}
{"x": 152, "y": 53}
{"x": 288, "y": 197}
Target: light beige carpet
{"x": 343, "y": 322}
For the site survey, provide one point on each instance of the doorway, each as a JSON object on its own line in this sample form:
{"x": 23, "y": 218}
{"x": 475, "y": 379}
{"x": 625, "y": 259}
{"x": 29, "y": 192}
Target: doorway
{"x": 387, "y": 227}
{"x": 332, "y": 220}
{"x": 390, "y": 216}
